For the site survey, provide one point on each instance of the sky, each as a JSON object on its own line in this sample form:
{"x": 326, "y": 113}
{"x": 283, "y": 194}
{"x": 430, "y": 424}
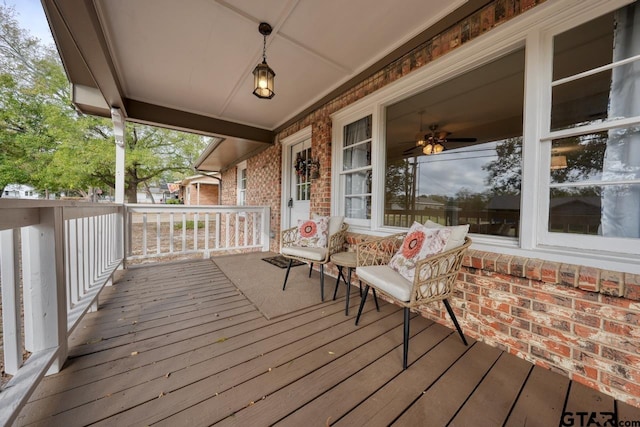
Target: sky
{"x": 30, "y": 15}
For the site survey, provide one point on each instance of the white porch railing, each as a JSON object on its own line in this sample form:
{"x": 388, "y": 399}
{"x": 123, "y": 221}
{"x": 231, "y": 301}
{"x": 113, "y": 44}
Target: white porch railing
{"x": 155, "y": 231}
{"x": 55, "y": 257}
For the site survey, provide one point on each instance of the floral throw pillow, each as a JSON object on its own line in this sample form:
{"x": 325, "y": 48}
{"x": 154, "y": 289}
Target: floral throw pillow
{"x": 419, "y": 243}
{"x": 313, "y": 233}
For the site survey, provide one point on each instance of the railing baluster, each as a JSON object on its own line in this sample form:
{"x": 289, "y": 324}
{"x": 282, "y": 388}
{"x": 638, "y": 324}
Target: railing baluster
{"x": 227, "y": 228}
{"x": 246, "y": 228}
{"x": 195, "y": 231}
{"x": 218, "y": 217}
{"x": 73, "y": 284}
{"x": 158, "y": 234}
{"x": 144, "y": 234}
{"x": 254, "y": 223}
{"x": 171, "y": 233}
{"x": 206, "y": 235}
{"x": 236, "y": 228}
{"x": 184, "y": 232}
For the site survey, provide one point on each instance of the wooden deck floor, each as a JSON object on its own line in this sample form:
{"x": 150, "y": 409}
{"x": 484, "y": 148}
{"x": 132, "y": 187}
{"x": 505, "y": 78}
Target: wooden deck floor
{"x": 179, "y": 345}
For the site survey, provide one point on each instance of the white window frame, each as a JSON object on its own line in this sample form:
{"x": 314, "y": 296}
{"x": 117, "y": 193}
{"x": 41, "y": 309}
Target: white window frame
{"x": 338, "y": 177}
{"x": 533, "y": 30}
{"x": 241, "y": 193}
{"x": 549, "y": 238}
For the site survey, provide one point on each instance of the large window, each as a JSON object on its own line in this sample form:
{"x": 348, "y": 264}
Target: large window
{"x": 453, "y": 152}
{"x": 595, "y": 128}
{"x": 530, "y": 134}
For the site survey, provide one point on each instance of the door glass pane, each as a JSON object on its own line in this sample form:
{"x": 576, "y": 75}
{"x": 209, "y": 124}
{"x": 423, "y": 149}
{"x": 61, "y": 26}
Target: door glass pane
{"x": 303, "y": 181}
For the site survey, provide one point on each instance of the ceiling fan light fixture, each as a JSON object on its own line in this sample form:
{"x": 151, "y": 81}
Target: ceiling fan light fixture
{"x": 558, "y": 162}
{"x": 428, "y": 149}
{"x": 438, "y": 148}
{"x": 263, "y": 75}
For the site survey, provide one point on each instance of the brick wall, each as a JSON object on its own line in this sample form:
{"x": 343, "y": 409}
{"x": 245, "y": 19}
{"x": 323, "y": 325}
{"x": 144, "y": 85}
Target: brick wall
{"x": 208, "y": 194}
{"x": 580, "y": 321}
{"x": 229, "y": 187}
{"x": 577, "y": 320}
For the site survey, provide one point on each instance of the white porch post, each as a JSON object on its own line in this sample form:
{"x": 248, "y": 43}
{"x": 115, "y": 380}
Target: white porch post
{"x": 44, "y": 286}
{"x": 118, "y": 131}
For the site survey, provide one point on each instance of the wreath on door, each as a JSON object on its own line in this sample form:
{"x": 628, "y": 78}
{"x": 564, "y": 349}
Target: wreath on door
{"x": 300, "y": 165}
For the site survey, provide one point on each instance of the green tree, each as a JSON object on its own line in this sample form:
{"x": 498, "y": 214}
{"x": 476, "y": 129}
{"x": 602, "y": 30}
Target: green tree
{"x": 400, "y": 183}
{"x": 30, "y": 89}
{"x": 47, "y": 144}
{"x": 505, "y": 173}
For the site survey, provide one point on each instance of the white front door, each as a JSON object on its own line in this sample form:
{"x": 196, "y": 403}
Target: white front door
{"x": 300, "y": 182}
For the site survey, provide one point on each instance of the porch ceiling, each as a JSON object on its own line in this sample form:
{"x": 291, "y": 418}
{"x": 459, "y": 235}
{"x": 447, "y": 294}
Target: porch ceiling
{"x": 187, "y": 64}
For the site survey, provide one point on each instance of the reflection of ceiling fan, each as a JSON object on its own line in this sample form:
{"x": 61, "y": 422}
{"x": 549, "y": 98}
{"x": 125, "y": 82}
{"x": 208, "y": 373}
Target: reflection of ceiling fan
{"x": 434, "y": 142}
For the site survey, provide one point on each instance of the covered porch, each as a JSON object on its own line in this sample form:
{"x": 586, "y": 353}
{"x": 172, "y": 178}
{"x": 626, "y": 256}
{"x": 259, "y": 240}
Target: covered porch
{"x": 199, "y": 350}
{"x": 178, "y": 343}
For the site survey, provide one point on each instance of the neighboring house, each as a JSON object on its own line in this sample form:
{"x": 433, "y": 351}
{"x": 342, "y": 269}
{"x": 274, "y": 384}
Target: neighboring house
{"x": 154, "y": 195}
{"x": 20, "y": 191}
{"x": 199, "y": 190}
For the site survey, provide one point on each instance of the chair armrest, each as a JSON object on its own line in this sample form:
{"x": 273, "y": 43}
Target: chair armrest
{"x": 435, "y": 276}
{"x": 336, "y": 240}
{"x": 378, "y": 251}
{"x": 288, "y": 237}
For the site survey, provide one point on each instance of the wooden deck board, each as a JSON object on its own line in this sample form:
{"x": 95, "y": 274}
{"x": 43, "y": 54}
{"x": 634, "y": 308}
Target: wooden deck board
{"x": 171, "y": 347}
{"x": 440, "y": 402}
{"x": 351, "y": 391}
{"x": 308, "y": 387}
{"x": 491, "y": 402}
{"x": 382, "y": 407}
{"x": 541, "y": 400}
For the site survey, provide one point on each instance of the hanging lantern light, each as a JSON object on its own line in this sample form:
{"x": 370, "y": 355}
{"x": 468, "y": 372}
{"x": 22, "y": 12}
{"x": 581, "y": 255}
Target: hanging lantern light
{"x": 263, "y": 75}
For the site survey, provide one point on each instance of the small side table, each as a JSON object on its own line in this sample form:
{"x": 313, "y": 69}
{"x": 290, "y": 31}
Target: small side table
{"x": 342, "y": 260}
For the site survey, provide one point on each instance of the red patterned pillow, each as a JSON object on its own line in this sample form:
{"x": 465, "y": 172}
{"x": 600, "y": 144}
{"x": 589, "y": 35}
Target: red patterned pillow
{"x": 313, "y": 232}
{"x": 419, "y": 243}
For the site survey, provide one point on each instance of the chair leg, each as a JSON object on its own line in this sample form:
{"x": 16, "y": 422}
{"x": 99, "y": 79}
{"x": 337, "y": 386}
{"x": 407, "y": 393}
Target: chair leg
{"x": 364, "y": 298}
{"x": 348, "y": 283}
{"x": 335, "y": 291}
{"x": 310, "y": 268}
{"x": 286, "y": 276}
{"x": 405, "y": 343}
{"x": 375, "y": 298}
{"x": 322, "y": 282}
{"x": 455, "y": 321}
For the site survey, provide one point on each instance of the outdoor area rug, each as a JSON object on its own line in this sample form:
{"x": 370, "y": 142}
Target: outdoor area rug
{"x": 262, "y": 284}
{"x": 282, "y": 262}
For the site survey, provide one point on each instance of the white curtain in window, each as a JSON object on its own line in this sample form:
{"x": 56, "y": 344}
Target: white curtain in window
{"x": 357, "y": 131}
{"x": 621, "y": 207}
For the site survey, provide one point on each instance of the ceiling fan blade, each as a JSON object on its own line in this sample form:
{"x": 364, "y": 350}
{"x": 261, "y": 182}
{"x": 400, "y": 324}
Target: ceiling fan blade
{"x": 409, "y": 150}
{"x": 462, "y": 139}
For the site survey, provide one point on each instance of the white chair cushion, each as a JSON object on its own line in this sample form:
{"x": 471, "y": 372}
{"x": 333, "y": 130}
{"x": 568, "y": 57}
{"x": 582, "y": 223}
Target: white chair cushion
{"x": 387, "y": 280}
{"x": 458, "y": 233}
{"x": 335, "y": 222}
{"x": 313, "y": 254}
